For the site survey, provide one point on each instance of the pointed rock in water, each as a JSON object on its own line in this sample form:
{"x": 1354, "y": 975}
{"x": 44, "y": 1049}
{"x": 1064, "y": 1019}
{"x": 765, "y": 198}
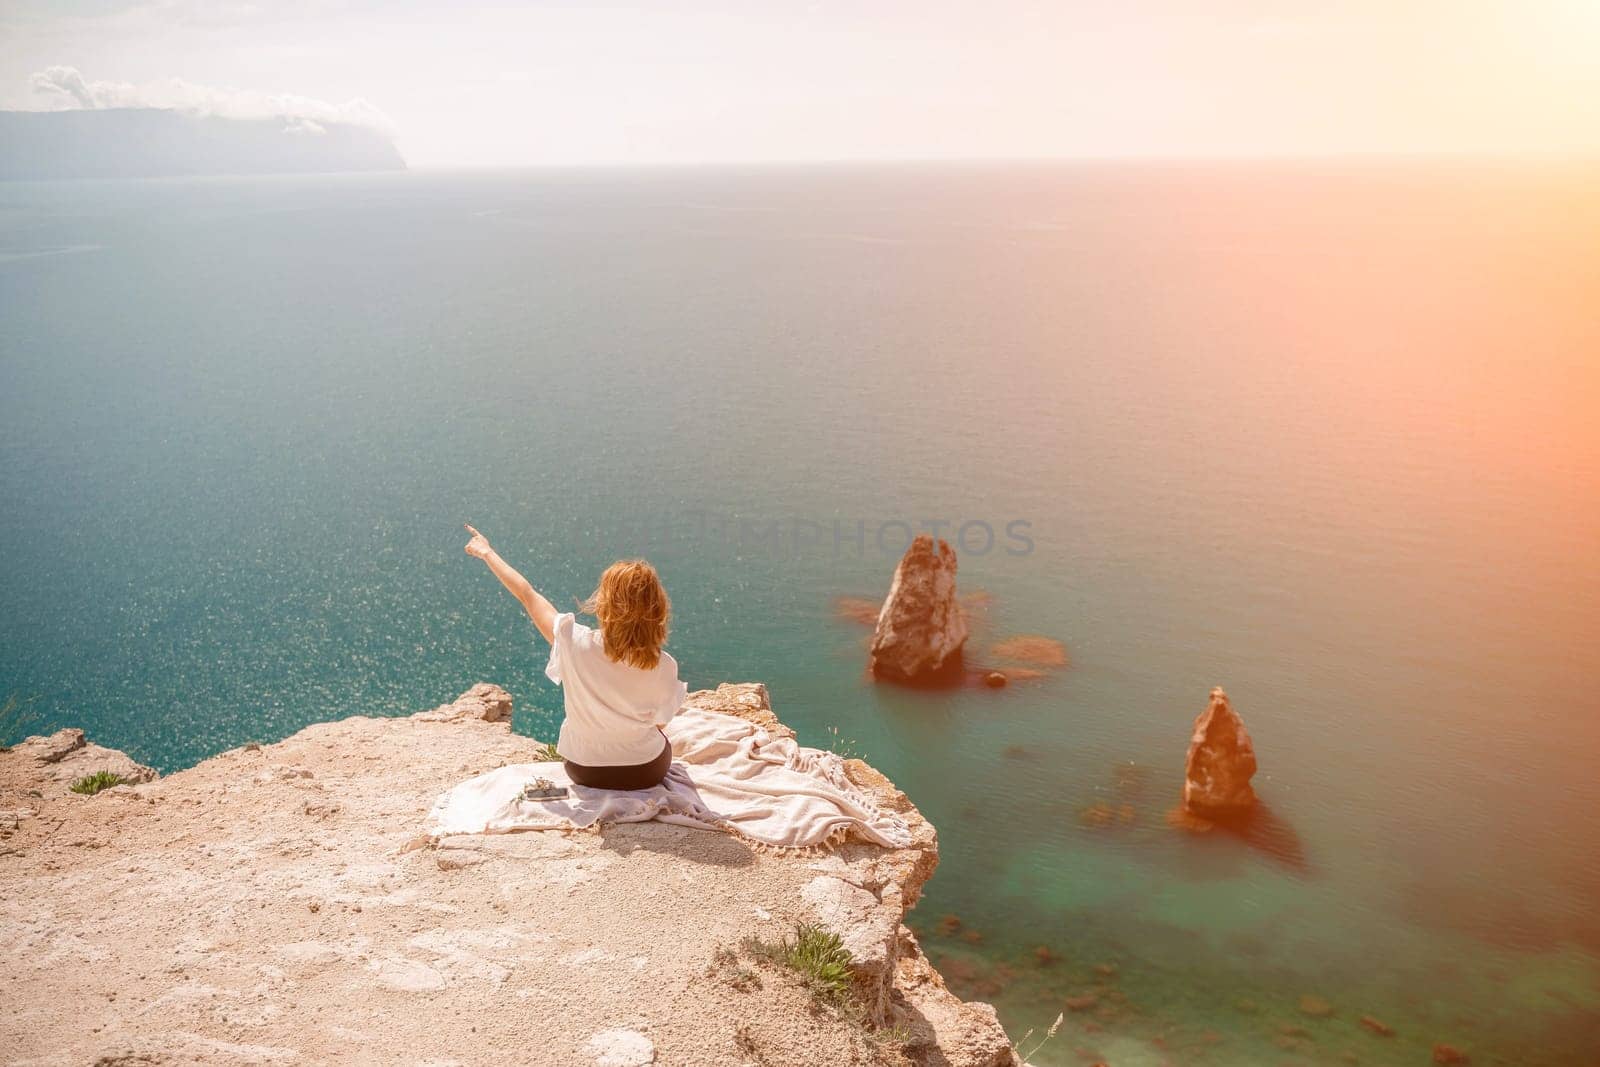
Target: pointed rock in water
{"x": 922, "y": 627}
{"x": 1221, "y": 762}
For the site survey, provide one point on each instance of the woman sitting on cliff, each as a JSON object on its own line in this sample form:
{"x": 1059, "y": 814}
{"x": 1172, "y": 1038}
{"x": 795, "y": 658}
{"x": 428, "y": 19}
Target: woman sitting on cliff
{"x": 620, "y": 686}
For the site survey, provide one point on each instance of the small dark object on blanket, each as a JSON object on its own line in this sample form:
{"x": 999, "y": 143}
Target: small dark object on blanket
{"x": 543, "y": 789}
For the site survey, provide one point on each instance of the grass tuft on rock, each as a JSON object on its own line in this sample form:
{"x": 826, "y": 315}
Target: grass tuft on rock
{"x": 822, "y": 963}
{"x": 817, "y": 955}
{"x": 90, "y": 784}
{"x": 546, "y": 753}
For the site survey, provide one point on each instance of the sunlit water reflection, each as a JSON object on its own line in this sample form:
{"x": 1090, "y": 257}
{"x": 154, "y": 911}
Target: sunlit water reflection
{"x": 1321, "y": 434}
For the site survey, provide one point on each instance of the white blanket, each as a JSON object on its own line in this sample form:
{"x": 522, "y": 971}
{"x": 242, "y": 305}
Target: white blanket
{"x": 727, "y": 773}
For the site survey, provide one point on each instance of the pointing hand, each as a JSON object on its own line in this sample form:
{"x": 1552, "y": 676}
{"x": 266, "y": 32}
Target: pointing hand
{"x": 479, "y": 545}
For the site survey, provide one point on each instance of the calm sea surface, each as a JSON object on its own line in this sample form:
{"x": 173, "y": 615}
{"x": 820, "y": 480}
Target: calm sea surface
{"x": 1325, "y": 434}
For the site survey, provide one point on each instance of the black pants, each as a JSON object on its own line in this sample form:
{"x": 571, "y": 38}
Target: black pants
{"x": 632, "y": 776}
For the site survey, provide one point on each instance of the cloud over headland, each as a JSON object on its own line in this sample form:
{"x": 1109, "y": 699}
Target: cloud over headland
{"x": 64, "y": 88}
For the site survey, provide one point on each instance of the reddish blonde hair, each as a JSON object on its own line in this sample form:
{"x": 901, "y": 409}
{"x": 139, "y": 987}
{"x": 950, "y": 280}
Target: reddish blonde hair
{"x": 633, "y": 610}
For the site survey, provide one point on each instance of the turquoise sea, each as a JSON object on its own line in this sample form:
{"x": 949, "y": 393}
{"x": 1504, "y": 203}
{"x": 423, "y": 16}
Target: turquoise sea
{"x": 1322, "y": 433}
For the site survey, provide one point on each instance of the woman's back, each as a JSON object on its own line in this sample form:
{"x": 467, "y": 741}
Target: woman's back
{"x": 618, "y": 682}
{"x": 612, "y": 708}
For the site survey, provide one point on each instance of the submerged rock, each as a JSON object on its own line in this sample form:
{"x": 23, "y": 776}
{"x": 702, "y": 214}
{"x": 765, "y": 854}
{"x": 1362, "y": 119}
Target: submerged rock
{"x": 1220, "y": 764}
{"x": 1097, "y": 815}
{"x": 1181, "y": 818}
{"x": 922, "y": 628}
{"x": 1315, "y": 1006}
{"x": 857, "y": 609}
{"x": 1034, "y": 649}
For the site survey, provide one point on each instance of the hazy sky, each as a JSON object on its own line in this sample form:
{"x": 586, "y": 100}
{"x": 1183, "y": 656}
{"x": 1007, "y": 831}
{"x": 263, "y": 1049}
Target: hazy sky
{"x": 467, "y": 83}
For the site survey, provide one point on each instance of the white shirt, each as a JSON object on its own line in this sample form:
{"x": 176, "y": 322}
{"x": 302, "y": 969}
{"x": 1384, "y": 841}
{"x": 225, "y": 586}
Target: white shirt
{"x": 613, "y": 709}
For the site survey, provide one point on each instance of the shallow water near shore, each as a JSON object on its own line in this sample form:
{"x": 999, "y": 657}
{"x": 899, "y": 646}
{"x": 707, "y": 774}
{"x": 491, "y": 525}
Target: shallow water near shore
{"x": 1322, "y": 434}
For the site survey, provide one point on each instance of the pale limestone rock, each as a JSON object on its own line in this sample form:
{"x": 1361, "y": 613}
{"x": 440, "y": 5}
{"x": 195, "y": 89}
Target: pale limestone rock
{"x": 621, "y": 1048}
{"x": 409, "y": 976}
{"x": 484, "y": 701}
{"x": 943, "y": 1030}
{"x": 315, "y": 953}
{"x": 51, "y": 764}
{"x": 867, "y": 927}
{"x": 455, "y": 853}
{"x": 456, "y": 859}
{"x": 743, "y": 700}
{"x": 922, "y": 628}
{"x": 56, "y": 747}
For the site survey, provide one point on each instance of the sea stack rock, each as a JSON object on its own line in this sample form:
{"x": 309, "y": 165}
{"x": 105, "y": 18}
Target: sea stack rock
{"x": 921, "y": 628}
{"x": 1221, "y": 762}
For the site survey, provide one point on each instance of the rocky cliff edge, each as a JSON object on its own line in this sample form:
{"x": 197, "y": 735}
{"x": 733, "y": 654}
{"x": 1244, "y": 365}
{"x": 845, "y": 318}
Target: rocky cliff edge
{"x": 270, "y": 906}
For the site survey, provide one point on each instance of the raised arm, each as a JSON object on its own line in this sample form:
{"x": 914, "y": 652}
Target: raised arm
{"x": 540, "y": 610}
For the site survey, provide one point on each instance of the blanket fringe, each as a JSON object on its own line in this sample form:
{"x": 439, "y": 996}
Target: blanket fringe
{"x": 837, "y": 837}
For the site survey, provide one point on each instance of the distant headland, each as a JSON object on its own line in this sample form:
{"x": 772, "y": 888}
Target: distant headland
{"x": 157, "y": 142}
